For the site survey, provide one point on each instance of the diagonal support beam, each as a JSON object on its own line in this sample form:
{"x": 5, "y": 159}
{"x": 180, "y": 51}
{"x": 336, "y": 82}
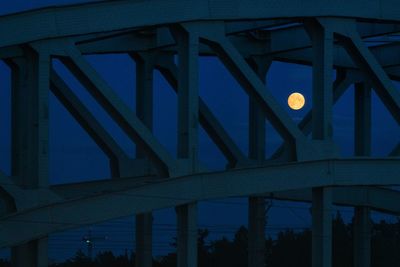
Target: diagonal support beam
{"x": 249, "y": 80}
{"x": 120, "y": 112}
{"x": 367, "y": 62}
{"x": 341, "y": 84}
{"x": 396, "y": 151}
{"x": 88, "y": 122}
{"x": 255, "y": 88}
{"x": 207, "y": 119}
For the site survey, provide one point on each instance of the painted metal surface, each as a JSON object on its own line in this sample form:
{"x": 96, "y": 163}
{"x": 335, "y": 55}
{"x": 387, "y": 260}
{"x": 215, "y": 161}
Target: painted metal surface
{"x": 246, "y": 36}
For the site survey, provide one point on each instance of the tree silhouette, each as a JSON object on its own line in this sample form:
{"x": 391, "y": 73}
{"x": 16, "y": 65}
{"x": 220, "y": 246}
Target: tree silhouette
{"x": 289, "y": 249}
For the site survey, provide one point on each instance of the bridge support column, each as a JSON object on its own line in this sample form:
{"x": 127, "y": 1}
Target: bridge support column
{"x": 362, "y": 136}
{"x": 322, "y": 101}
{"x": 362, "y": 237}
{"x": 144, "y": 238}
{"x": 257, "y": 220}
{"x": 188, "y": 121}
{"x": 30, "y": 120}
{"x": 321, "y": 227}
{"x": 144, "y": 111}
{"x": 187, "y": 235}
{"x": 256, "y": 249}
{"x": 362, "y": 119}
{"x": 322, "y": 98}
{"x": 31, "y": 254}
{"x": 188, "y": 97}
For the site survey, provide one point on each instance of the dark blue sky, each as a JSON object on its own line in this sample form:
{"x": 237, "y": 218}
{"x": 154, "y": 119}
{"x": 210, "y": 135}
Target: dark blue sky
{"x": 74, "y": 157}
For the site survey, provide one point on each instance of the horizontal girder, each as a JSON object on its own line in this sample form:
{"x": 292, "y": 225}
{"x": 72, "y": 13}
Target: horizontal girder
{"x": 237, "y": 33}
{"x": 56, "y": 216}
{"x": 55, "y": 22}
{"x": 380, "y": 199}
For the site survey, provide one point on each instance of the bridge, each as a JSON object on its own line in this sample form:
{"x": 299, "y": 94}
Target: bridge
{"x": 340, "y": 37}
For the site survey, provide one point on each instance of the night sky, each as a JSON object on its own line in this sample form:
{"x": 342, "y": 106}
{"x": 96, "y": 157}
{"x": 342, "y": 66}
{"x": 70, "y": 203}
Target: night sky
{"x": 75, "y": 157}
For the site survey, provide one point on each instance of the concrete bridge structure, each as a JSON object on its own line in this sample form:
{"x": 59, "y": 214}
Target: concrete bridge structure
{"x": 246, "y": 36}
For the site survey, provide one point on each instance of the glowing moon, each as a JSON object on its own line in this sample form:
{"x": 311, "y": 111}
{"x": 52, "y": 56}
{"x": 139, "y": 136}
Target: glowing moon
{"x": 296, "y": 101}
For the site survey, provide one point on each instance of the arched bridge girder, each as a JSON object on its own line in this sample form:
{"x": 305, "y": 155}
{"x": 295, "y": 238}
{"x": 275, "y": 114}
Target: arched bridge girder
{"x": 55, "y": 22}
{"x": 96, "y": 202}
{"x": 246, "y": 37}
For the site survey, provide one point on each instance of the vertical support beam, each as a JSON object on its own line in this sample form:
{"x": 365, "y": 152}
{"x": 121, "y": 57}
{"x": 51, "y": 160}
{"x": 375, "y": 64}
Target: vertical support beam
{"x": 188, "y": 96}
{"x": 144, "y": 111}
{"x": 248, "y": 79}
{"x": 256, "y": 220}
{"x": 342, "y": 82}
{"x": 371, "y": 68}
{"x": 256, "y": 131}
{"x": 322, "y": 227}
{"x": 188, "y": 121}
{"x": 322, "y": 99}
{"x": 322, "y": 42}
{"x": 217, "y": 133}
{"x": 187, "y": 235}
{"x": 144, "y": 240}
{"x": 19, "y": 98}
{"x": 256, "y": 114}
{"x": 30, "y": 128}
{"x": 362, "y": 143}
{"x": 30, "y": 120}
{"x": 31, "y": 254}
{"x": 362, "y": 113}
{"x": 362, "y": 237}
{"x": 144, "y": 92}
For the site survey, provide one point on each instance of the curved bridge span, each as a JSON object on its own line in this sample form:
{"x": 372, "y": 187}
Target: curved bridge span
{"x": 352, "y": 42}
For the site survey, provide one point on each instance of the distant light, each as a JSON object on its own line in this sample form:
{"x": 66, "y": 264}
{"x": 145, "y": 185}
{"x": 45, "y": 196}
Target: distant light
{"x": 296, "y": 101}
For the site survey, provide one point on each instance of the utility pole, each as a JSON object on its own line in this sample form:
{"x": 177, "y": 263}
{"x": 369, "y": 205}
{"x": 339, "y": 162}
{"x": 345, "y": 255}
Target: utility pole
{"x": 89, "y": 239}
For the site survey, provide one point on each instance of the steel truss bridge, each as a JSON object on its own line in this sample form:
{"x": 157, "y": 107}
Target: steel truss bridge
{"x": 246, "y": 36}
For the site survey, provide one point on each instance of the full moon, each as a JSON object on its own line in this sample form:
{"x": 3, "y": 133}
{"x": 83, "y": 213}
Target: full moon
{"x": 296, "y": 101}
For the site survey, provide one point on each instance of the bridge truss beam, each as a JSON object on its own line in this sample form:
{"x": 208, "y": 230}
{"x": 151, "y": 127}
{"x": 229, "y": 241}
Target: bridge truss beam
{"x": 246, "y": 39}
